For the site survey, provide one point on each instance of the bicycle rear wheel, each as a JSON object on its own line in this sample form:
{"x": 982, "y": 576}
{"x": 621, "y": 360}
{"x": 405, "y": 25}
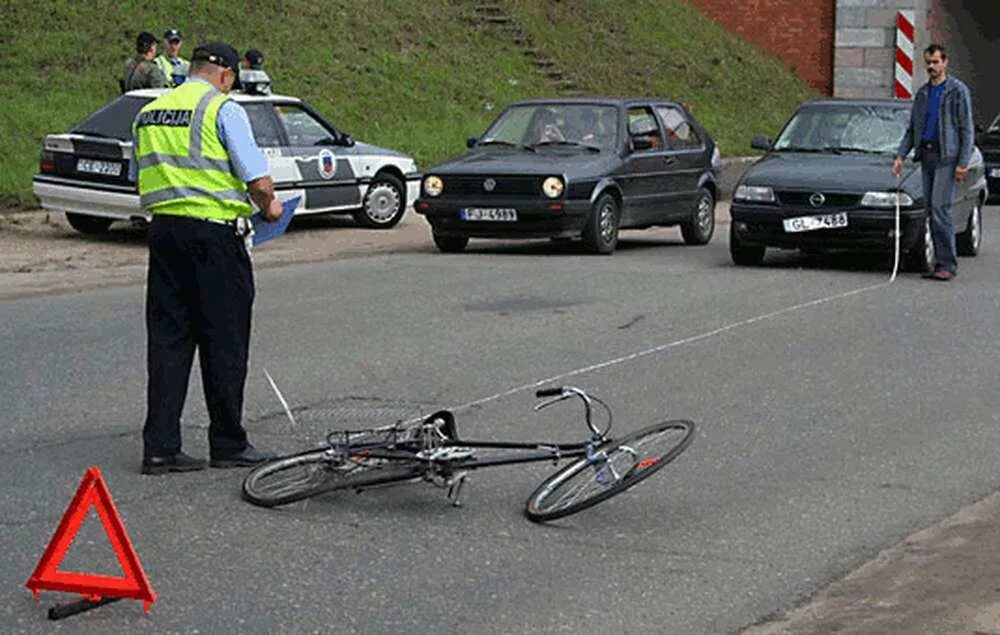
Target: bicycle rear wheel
{"x": 613, "y": 468}
{"x": 301, "y": 476}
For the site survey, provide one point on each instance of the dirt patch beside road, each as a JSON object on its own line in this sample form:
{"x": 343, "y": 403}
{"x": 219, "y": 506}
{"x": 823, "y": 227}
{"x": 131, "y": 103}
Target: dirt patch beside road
{"x": 41, "y": 253}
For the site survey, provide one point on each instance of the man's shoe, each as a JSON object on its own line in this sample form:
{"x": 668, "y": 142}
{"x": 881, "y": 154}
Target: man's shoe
{"x": 249, "y": 457}
{"x": 944, "y": 275}
{"x": 179, "y": 462}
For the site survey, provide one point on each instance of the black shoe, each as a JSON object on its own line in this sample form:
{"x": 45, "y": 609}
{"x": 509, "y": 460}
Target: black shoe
{"x": 249, "y": 457}
{"x": 179, "y": 462}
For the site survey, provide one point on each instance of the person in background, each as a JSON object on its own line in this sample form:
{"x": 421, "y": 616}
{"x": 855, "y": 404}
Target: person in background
{"x": 141, "y": 71}
{"x": 941, "y": 134}
{"x": 174, "y": 67}
{"x": 253, "y": 60}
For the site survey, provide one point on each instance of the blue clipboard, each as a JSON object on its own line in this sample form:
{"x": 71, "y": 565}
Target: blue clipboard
{"x": 264, "y": 231}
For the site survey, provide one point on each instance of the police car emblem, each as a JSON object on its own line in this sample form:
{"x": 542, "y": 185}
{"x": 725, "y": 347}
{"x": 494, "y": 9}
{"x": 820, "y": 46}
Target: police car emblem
{"x": 489, "y": 185}
{"x": 327, "y": 164}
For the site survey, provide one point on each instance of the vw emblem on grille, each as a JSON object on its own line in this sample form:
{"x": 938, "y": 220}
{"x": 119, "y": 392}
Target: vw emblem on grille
{"x": 489, "y": 185}
{"x": 817, "y": 199}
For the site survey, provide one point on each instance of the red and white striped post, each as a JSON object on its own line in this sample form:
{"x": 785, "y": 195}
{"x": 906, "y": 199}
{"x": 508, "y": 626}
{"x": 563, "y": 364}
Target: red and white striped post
{"x": 905, "y": 36}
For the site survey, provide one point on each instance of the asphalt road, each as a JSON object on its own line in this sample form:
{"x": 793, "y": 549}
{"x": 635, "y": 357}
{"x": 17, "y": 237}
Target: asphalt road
{"x": 825, "y": 434}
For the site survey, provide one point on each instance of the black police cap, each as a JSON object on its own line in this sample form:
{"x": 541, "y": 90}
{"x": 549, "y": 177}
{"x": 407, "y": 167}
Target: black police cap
{"x": 172, "y": 34}
{"x": 254, "y": 57}
{"x": 218, "y": 53}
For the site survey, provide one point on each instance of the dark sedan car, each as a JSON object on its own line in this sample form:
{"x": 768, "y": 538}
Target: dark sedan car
{"x": 826, "y": 183}
{"x": 989, "y": 142}
{"x": 577, "y": 168}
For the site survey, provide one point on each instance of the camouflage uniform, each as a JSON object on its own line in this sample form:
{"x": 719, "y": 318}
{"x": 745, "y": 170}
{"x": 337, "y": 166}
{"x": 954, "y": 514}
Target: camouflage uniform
{"x": 143, "y": 73}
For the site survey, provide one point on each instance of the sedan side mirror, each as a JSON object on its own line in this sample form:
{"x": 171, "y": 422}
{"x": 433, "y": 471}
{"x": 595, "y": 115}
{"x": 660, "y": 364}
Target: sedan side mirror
{"x": 347, "y": 141}
{"x": 760, "y": 142}
{"x": 979, "y": 128}
{"x": 470, "y": 142}
{"x": 641, "y": 143}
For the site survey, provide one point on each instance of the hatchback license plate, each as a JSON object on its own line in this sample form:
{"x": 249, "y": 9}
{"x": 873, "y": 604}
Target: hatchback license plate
{"x": 109, "y": 168}
{"x": 810, "y": 223}
{"x": 503, "y": 214}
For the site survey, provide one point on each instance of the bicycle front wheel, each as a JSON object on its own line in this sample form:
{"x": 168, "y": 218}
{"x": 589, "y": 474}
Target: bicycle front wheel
{"x": 308, "y": 474}
{"x": 611, "y": 469}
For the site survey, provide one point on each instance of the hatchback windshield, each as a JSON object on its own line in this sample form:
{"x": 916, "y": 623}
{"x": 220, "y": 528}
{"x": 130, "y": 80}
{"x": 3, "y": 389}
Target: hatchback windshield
{"x": 114, "y": 120}
{"x": 845, "y": 128}
{"x": 590, "y": 125}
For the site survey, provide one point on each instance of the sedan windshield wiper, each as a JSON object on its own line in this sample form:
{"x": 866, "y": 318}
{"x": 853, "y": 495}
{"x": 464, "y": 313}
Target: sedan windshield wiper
{"x": 800, "y": 149}
{"x": 853, "y": 149}
{"x": 501, "y": 142}
{"x": 575, "y": 144}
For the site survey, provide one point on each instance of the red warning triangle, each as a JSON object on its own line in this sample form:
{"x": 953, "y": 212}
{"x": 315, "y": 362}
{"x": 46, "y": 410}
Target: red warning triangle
{"x": 92, "y": 493}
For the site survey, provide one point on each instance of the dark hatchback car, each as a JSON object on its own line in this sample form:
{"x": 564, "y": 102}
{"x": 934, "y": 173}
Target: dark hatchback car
{"x": 988, "y": 141}
{"x": 577, "y": 168}
{"x": 826, "y": 183}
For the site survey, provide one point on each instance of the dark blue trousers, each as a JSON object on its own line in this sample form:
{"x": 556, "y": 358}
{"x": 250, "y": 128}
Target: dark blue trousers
{"x": 199, "y": 295}
{"x": 939, "y": 188}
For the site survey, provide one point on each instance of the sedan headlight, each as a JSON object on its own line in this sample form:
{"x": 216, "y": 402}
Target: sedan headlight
{"x": 433, "y": 186}
{"x": 553, "y": 187}
{"x": 885, "y": 199}
{"x": 754, "y": 193}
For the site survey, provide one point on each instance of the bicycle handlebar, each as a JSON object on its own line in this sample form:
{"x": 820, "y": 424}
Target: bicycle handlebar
{"x": 565, "y": 392}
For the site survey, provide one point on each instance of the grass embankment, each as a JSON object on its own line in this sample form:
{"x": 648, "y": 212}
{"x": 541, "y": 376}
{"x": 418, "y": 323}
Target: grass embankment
{"x": 414, "y": 76}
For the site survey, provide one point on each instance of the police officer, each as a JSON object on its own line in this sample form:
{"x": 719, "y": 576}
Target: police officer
{"x": 197, "y": 161}
{"x": 174, "y": 67}
{"x": 253, "y": 60}
{"x": 141, "y": 71}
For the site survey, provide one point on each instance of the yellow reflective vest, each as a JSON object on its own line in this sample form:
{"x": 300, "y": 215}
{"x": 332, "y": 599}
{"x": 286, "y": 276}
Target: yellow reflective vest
{"x": 170, "y": 69}
{"x": 184, "y": 169}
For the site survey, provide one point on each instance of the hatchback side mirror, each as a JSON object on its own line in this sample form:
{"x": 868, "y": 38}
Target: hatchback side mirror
{"x": 347, "y": 141}
{"x": 641, "y": 143}
{"x": 979, "y": 128}
{"x": 470, "y": 142}
{"x": 760, "y": 142}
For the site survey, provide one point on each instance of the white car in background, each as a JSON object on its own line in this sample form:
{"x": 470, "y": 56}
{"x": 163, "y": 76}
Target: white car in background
{"x": 84, "y": 172}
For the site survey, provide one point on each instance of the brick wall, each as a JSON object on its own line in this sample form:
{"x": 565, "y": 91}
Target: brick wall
{"x": 798, "y": 32}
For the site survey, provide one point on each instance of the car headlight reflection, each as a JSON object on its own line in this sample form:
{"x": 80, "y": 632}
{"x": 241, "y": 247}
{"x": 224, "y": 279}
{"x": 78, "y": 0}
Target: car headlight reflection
{"x": 886, "y": 199}
{"x": 553, "y": 187}
{"x": 433, "y": 185}
{"x": 754, "y": 194}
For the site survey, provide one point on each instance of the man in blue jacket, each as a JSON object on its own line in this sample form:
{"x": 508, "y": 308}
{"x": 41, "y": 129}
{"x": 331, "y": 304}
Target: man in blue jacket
{"x": 941, "y": 135}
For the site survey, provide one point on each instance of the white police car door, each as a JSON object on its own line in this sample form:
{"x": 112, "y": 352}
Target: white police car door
{"x": 270, "y": 137}
{"x": 328, "y": 179}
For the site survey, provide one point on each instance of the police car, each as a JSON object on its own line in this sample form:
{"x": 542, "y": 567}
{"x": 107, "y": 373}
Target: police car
{"x": 85, "y": 174}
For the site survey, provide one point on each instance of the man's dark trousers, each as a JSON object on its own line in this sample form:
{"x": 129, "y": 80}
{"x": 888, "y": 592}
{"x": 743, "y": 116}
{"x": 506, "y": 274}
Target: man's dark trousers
{"x": 939, "y": 186}
{"x": 199, "y": 294}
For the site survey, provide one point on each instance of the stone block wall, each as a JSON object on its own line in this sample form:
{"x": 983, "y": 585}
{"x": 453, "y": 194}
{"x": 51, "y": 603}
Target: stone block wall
{"x": 865, "y": 46}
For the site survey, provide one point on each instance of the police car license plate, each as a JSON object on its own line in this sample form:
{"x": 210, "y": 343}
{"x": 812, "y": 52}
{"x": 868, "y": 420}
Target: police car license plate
{"x": 503, "y": 214}
{"x": 995, "y": 173}
{"x": 810, "y": 223}
{"x": 91, "y": 166}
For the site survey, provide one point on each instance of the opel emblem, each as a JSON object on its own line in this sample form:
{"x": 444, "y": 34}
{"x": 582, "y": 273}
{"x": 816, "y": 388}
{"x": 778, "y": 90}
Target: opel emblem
{"x": 489, "y": 185}
{"x": 817, "y": 199}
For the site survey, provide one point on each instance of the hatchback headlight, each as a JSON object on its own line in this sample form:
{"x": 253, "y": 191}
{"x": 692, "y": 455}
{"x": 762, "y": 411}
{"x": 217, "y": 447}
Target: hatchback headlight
{"x": 885, "y": 199}
{"x": 553, "y": 187}
{"x": 754, "y": 193}
{"x": 433, "y": 186}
